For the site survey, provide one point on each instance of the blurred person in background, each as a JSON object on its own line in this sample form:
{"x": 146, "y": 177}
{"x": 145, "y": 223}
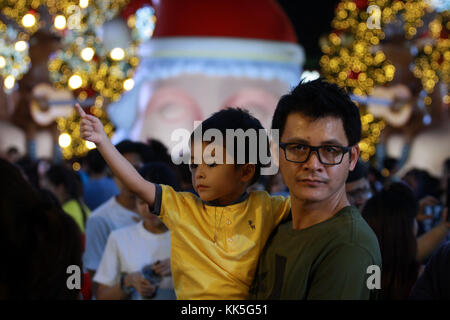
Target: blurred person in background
{"x": 129, "y": 250}
{"x": 39, "y": 241}
{"x": 357, "y": 185}
{"x": 29, "y": 168}
{"x": 392, "y": 215}
{"x": 65, "y": 184}
{"x": 12, "y": 154}
{"x": 276, "y": 186}
{"x": 118, "y": 212}
{"x": 426, "y": 190}
{"x": 376, "y": 179}
{"x": 99, "y": 188}
{"x": 434, "y": 283}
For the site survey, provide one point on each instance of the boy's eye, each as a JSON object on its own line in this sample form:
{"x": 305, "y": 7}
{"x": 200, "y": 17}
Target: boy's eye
{"x": 212, "y": 165}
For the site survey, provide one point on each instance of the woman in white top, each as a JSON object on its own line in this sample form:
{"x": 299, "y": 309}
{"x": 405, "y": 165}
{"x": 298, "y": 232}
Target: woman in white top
{"x": 136, "y": 261}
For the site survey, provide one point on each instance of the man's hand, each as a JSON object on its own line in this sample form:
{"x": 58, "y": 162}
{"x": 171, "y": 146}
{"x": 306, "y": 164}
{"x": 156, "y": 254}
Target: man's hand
{"x": 142, "y": 285}
{"x": 162, "y": 268}
{"x": 91, "y": 128}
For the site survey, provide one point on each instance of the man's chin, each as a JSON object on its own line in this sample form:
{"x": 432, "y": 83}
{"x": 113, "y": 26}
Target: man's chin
{"x": 310, "y": 196}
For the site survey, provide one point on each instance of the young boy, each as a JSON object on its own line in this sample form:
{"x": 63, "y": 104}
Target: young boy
{"x": 217, "y": 238}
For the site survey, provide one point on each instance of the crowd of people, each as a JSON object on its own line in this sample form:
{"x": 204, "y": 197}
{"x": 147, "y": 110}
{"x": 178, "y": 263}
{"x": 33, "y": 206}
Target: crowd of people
{"x": 143, "y": 228}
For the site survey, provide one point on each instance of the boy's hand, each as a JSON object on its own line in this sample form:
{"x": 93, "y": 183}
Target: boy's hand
{"x": 162, "y": 267}
{"x": 142, "y": 285}
{"x": 91, "y": 128}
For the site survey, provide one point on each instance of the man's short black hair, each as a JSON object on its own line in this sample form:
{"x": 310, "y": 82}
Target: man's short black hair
{"x": 237, "y": 118}
{"x": 319, "y": 99}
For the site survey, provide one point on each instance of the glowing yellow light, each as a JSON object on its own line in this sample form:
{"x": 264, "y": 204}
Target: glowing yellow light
{"x": 9, "y": 82}
{"x": 64, "y": 140}
{"x": 28, "y": 20}
{"x": 90, "y": 145}
{"x": 2, "y": 62}
{"x": 76, "y": 166}
{"x": 21, "y": 45}
{"x": 128, "y": 84}
{"x": 60, "y": 22}
{"x": 87, "y": 54}
{"x": 84, "y": 3}
{"x": 446, "y": 99}
{"x": 117, "y": 54}
{"x": 75, "y": 81}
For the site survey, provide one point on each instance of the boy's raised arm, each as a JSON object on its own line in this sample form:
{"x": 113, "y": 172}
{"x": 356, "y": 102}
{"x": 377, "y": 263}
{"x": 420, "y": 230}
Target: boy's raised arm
{"x": 91, "y": 129}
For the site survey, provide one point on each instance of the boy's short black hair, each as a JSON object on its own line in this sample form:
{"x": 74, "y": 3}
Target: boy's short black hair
{"x": 318, "y": 99}
{"x": 236, "y": 118}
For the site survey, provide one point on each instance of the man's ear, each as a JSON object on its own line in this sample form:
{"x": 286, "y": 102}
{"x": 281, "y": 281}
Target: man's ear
{"x": 248, "y": 172}
{"x": 354, "y": 156}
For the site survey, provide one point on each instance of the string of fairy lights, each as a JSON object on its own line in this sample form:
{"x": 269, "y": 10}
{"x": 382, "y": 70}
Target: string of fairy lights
{"x": 349, "y": 58}
{"x": 14, "y": 59}
{"x": 85, "y": 65}
{"x": 90, "y": 69}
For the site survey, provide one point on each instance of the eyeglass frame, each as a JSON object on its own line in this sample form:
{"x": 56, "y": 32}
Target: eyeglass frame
{"x": 315, "y": 149}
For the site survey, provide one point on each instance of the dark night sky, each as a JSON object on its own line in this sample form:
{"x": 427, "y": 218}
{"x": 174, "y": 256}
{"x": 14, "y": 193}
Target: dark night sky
{"x": 311, "y": 19}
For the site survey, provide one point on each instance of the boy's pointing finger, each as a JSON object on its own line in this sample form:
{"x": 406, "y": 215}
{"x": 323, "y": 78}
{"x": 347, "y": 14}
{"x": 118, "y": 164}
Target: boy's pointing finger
{"x": 80, "y": 110}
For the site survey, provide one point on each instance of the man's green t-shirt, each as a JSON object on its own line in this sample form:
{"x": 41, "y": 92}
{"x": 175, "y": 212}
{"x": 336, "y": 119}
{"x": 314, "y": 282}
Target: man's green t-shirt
{"x": 328, "y": 260}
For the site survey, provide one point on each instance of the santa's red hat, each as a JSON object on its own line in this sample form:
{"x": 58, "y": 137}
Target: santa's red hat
{"x": 242, "y": 38}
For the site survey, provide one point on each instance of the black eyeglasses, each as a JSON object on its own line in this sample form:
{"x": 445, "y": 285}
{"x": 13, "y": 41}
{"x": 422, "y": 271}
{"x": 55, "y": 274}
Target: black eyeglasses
{"x": 300, "y": 153}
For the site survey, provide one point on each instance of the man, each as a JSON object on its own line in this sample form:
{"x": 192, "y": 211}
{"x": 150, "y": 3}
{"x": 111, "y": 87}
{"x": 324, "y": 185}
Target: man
{"x": 434, "y": 283}
{"x": 323, "y": 250}
{"x": 118, "y": 212}
{"x": 99, "y": 188}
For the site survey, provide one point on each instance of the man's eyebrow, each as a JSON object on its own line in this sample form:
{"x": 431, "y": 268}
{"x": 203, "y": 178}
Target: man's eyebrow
{"x": 326, "y": 142}
{"x": 297, "y": 140}
{"x": 332, "y": 142}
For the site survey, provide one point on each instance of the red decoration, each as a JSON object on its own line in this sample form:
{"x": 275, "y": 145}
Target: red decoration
{"x": 361, "y": 4}
{"x": 353, "y": 75}
{"x": 90, "y": 92}
{"x": 249, "y": 19}
{"x": 133, "y": 6}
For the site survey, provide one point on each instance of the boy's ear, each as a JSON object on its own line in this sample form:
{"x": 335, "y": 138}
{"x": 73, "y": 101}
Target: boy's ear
{"x": 248, "y": 172}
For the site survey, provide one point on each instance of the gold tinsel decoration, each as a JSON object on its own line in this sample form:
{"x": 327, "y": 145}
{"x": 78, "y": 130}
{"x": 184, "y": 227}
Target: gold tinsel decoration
{"x": 71, "y": 126}
{"x": 350, "y": 61}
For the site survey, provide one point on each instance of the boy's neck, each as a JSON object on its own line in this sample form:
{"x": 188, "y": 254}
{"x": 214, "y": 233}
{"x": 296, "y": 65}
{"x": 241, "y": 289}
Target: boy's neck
{"x": 227, "y": 202}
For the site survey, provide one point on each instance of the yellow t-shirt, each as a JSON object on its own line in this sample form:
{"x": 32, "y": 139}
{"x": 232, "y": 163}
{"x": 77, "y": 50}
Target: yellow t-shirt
{"x": 72, "y": 208}
{"x": 204, "y": 269}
